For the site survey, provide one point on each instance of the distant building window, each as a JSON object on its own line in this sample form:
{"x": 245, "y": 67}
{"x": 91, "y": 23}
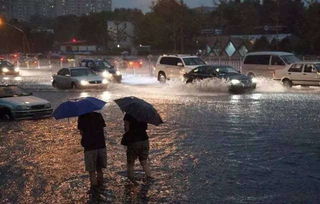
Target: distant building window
{"x": 230, "y": 49}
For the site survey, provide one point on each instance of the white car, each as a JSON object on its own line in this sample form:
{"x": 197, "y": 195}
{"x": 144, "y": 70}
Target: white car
{"x": 175, "y": 66}
{"x": 15, "y": 103}
{"x": 78, "y": 77}
{"x": 301, "y": 73}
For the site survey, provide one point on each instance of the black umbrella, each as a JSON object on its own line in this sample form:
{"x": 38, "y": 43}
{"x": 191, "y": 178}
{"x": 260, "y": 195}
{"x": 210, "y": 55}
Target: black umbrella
{"x": 139, "y": 109}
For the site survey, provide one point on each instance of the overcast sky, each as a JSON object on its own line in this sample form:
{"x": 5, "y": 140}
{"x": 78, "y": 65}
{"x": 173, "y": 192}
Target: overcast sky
{"x": 144, "y": 5}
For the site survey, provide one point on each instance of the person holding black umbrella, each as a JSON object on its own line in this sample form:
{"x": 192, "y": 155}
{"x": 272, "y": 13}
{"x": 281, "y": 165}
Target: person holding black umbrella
{"x": 138, "y": 113}
{"x": 137, "y": 142}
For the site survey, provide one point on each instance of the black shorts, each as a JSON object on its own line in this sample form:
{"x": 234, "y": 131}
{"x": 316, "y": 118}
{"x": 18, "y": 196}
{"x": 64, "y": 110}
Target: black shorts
{"x": 138, "y": 150}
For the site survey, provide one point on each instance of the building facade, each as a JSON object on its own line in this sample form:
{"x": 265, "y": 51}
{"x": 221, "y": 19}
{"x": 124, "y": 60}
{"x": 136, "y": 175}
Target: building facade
{"x": 24, "y": 9}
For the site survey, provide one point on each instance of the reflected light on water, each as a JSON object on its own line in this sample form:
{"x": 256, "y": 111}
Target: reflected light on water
{"x": 256, "y": 96}
{"x": 84, "y": 94}
{"x": 235, "y": 99}
{"x": 106, "y": 96}
{"x": 18, "y": 78}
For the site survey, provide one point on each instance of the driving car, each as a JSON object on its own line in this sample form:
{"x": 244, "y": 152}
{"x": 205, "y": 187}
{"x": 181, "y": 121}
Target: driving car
{"x": 78, "y": 77}
{"x": 235, "y": 80}
{"x": 103, "y": 68}
{"x": 300, "y": 73}
{"x": 130, "y": 62}
{"x": 175, "y": 66}
{"x": 7, "y": 68}
{"x": 16, "y": 104}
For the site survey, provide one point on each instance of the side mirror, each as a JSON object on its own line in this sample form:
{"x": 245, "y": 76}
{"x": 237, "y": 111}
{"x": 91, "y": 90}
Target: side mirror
{"x": 180, "y": 64}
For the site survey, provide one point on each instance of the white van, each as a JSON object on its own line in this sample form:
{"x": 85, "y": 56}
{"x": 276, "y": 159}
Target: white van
{"x": 266, "y": 63}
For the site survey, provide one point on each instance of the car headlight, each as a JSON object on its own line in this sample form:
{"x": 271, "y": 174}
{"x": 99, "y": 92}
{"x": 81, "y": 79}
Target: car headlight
{"x": 84, "y": 82}
{"x": 23, "y": 107}
{"x": 254, "y": 80}
{"x": 16, "y": 69}
{"x": 104, "y": 81}
{"x": 105, "y": 74}
{"x": 118, "y": 73}
{"x": 5, "y": 69}
{"x": 235, "y": 82}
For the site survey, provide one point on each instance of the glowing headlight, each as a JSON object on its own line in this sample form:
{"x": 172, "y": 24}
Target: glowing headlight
{"x": 235, "y": 81}
{"x": 104, "y": 81}
{"x": 16, "y": 69}
{"x": 105, "y": 74}
{"x": 254, "y": 80}
{"x": 5, "y": 69}
{"x": 84, "y": 82}
{"x": 118, "y": 73}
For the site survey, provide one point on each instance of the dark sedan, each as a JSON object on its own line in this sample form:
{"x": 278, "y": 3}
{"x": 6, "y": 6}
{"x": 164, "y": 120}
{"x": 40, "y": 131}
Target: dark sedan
{"x": 6, "y": 68}
{"x": 235, "y": 80}
{"x": 103, "y": 68}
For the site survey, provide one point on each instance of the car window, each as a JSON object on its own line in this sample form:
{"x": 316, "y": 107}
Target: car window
{"x": 226, "y": 70}
{"x": 81, "y": 72}
{"x": 165, "y": 60}
{"x": 317, "y": 67}
{"x": 12, "y": 91}
{"x": 63, "y": 72}
{"x": 257, "y": 59}
{"x": 193, "y": 61}
{"x": 290, "y": 59}
{"x": 296, "y": 68}
{"x": 308, "y": 68}
{"x": 276, "y": 60}
{"x": 170, "y": 61}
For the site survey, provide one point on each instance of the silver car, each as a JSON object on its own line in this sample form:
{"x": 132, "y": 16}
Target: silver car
{"x": 78, "y": 77}
{"x": 15, "y": 103}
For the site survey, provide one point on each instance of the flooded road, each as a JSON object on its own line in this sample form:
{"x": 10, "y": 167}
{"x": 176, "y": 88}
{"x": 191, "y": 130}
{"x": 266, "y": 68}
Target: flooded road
{"x": 214, "y": 147}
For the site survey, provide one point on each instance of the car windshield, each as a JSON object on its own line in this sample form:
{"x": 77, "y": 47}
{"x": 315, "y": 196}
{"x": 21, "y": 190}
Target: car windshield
{"x": 289, "y": 59}
{"x": 6, "y": 64}
{"x": 193, "y": 61}
{"x": 81, "y": 72}
{"x": 12, "y": 91}
{"x": 226, "y": 70}
{"x": 103, "y": 65}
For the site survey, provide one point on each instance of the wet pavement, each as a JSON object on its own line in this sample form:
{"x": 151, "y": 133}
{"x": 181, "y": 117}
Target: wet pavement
{"x": 214, "y": 147}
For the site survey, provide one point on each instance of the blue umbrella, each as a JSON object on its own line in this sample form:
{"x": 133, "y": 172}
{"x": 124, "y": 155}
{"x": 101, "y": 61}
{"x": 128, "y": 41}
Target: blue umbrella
{"x": 78, "y": 107}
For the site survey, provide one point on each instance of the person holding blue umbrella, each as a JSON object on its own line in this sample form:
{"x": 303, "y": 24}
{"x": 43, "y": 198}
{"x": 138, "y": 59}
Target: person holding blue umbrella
{"x": 91, "y": 125}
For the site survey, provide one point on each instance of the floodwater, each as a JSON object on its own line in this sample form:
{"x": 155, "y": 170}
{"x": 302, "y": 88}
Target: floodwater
{"x": 214, "y": 147}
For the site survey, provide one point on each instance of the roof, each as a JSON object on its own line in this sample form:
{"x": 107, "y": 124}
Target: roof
{"x": 76, "y": 68}
{"x": 308, "y": 62}
{"x": 269, "y": 53}
{"x": 179, "y": 55}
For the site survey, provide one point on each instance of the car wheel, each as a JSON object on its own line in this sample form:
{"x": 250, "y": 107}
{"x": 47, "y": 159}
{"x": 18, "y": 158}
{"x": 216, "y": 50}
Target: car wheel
{"x": 5, "y": 115}
{"x": 287, "y": 83}
{"x": 162, "y": 77}
{"x": 189, "y": 81}
{"x": 73, "y": 85}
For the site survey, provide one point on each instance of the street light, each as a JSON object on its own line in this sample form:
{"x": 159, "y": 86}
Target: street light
{"x": 2, "y": 22}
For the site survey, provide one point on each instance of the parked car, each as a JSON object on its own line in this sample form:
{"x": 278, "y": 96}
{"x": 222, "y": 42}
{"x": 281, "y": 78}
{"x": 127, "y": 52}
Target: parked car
{"x": 6, "y": 68}
{"x": 15, "y": 103}
{"x": 235, "y": 80}
{"x": 175, "y": 66}
{"x": 301, "y": 73}
{"x": 266, "y": 63}
{"x": 78, "y": 77}
{"x": 103, "y": 68}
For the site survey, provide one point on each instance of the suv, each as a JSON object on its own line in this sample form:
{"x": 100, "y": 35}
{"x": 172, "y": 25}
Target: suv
{"x": 103, "y": 68}
{"x": 175, "y": 66}
{"x": 302, "y": 73}
{"x": 266, "y": 63}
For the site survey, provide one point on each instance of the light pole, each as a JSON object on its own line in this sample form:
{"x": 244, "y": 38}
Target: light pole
{"x": 25, "y": 42}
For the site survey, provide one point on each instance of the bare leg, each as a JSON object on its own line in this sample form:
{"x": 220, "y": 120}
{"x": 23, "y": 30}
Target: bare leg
{"x": 93, "y": 178}
{"x": 130, "y": 167}
{"x": 99, "y": 177}
{"x": 146, "y": 167}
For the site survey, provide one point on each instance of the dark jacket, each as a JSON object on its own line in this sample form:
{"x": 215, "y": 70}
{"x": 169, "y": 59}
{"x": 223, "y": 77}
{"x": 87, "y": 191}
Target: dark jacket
{"x": 137, "y": 130}
{"x": 91, "y": 127}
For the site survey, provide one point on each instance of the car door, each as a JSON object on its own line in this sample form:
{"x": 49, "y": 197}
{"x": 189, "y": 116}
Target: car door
{"x": 63, "y": 78}
{"x": 177, "y": 66}
{"x": 276, "y": 63}
{"x": 295, "y": 74}
{"x": 310, "y": 75}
